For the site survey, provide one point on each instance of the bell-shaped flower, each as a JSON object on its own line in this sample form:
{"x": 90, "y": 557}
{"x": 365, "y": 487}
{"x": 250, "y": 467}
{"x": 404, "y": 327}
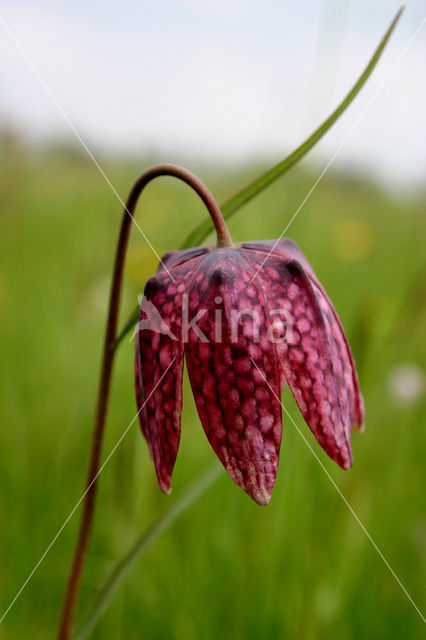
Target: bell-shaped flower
{"x": 247, "y": 318}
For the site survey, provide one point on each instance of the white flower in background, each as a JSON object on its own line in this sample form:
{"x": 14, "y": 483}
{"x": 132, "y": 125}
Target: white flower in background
{"x": 406, "y": 384}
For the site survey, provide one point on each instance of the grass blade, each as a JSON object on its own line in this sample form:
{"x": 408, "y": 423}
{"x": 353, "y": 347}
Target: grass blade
{"x": 259, "y": 184}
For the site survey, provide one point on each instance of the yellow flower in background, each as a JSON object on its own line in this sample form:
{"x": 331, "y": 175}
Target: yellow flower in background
{"x": 353, "y": 239}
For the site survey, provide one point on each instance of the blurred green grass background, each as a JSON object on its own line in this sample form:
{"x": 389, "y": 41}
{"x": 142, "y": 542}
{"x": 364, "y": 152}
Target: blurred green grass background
{"x": 299, "y": 568}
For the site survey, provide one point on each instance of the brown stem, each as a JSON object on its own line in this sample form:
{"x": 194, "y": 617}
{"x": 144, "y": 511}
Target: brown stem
{"x": 223, "y": 239}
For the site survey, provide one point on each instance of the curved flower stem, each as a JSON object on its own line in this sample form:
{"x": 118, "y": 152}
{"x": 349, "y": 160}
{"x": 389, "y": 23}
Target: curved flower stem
{"x": 142, "y": 544}
{"x": 110, "y": 344}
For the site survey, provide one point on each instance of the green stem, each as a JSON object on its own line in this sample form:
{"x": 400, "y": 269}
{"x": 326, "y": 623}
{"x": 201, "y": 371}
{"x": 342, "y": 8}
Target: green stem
{"x": 142, "y": 544}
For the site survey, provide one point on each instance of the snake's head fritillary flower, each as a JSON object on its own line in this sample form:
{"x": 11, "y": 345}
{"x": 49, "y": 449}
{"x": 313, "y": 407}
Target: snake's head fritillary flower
{"x": 248, "y": 319}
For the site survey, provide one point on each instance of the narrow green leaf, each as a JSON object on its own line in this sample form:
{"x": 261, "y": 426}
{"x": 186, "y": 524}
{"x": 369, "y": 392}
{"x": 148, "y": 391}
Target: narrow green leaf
{"x": 133, "y": 318}
{"x": 259, "y": 184}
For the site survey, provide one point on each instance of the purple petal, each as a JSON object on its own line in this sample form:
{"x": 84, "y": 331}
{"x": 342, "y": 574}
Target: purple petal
{"x": 306, "y": 355}
{"x": 240, "y": 412}
{"x": 159, "y": 346}
{"x": 172, "y": 259}
{"x": 342, "y": 356}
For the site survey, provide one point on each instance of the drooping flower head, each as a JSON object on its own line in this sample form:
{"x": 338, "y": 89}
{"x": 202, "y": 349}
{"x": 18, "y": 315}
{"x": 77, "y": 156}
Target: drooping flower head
{"x": 247, "y": 318}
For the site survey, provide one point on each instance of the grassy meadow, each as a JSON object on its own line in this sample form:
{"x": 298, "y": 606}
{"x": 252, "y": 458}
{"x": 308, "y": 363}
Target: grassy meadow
{"x": 301, "y": 568}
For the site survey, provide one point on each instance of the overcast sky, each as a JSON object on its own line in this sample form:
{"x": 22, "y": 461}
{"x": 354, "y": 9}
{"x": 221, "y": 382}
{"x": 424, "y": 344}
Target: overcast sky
{"x": 230, "y": 80}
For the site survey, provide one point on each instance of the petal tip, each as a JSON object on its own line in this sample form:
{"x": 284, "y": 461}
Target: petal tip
{"x": 346, "y": 461}
{"x": 165, "y": 486}
{"x": 261, "y": 496}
